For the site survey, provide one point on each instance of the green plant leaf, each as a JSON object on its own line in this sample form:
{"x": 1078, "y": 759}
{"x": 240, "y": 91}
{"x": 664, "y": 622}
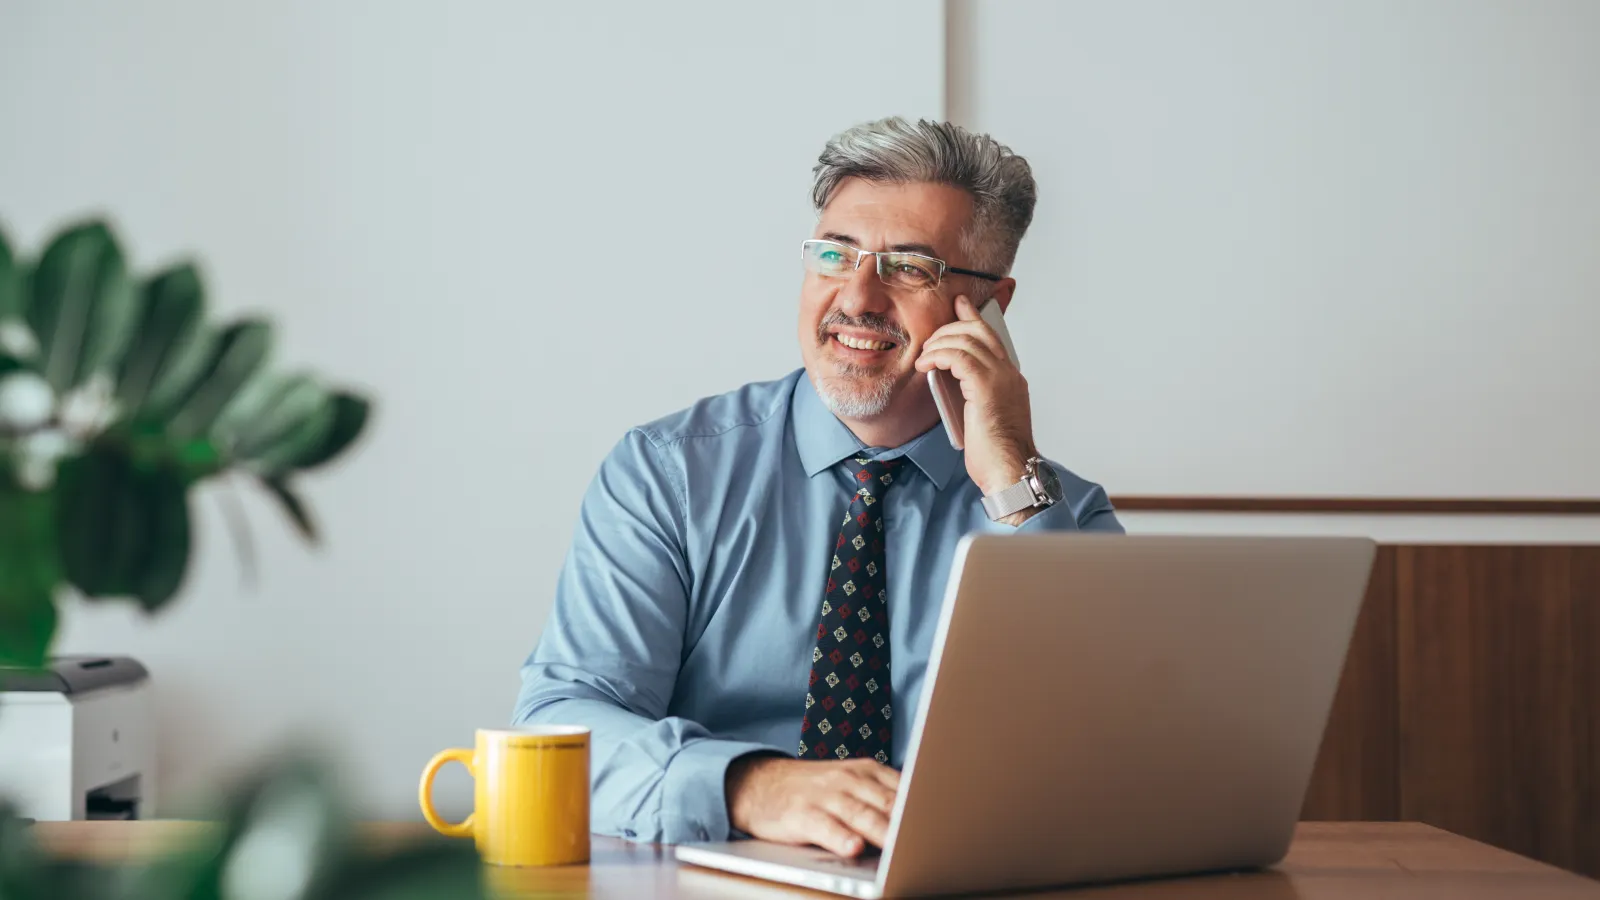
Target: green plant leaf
{"x": 259, "y": 397}
{"x": 276, "y": 420}
{"x": 10, "y": 283}
{"x": 160, "y": 570}
{"x": 271, "y": 412}
{"x": 302, "y": 438}
{"x": 27, "y": 624}
{"x": 81, "y": 305}
{"x": 100, "y": 522}
{"x": 238, "y": 525}
{"x": 349, "y": 420}
{"x": 124, "y": 531}
{"x": 170, "y": 344}
{"x": 238, "y": 356}
{"x": 293, "y": 506}
{"x": 198, "y": 459}
{"x": 29, "y": 573}
{"x": 178, "y": 380}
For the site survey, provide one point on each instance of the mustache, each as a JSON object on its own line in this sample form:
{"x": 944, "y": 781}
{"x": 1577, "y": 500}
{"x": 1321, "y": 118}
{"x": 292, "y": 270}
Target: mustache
{"x": 875, "y": 322}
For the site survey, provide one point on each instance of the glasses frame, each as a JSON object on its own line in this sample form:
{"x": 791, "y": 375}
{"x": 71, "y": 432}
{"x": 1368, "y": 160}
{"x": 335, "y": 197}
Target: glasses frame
{"x": 878, "y": 263}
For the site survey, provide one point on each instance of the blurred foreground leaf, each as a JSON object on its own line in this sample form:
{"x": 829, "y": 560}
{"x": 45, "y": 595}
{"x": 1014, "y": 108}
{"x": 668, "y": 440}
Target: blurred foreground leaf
{"x": 285, "y": 835}
{"x": 27, "y": 874}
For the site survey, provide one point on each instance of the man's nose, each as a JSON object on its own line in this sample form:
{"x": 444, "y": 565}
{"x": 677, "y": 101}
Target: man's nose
{"x": 864, "y": 291}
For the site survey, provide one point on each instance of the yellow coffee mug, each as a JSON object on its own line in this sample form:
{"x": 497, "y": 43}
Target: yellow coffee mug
{"x": 530, "y": 797}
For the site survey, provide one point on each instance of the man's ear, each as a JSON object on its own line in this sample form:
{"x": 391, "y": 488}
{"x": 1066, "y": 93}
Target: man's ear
{"x": 1003, "y": 289}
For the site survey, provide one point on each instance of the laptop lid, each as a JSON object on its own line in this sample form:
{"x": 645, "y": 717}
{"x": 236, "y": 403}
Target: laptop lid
{"x": 1104, "y": 706}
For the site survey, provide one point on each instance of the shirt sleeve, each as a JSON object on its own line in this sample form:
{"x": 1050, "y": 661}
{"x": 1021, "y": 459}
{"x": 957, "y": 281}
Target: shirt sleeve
{"x": 609, "y": 656}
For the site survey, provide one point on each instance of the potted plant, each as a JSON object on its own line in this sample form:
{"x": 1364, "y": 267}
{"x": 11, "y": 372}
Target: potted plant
{"x": 119, "y": 396}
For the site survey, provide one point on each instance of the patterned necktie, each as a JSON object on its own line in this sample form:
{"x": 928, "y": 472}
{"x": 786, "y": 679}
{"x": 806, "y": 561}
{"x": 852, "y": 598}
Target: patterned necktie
{"x": 847, "y": 701}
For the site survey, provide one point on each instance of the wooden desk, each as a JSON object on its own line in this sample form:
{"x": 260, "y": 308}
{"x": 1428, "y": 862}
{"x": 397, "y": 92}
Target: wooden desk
{"x": 1329, "y": 861}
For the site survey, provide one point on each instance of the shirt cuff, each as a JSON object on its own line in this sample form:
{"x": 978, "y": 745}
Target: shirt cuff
{"x": 694, "y": 802}
{"x": 1055, "y": 517}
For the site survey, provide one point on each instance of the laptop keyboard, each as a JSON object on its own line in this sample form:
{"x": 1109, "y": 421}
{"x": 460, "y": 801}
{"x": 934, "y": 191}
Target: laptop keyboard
{"x": 865, "y": 865}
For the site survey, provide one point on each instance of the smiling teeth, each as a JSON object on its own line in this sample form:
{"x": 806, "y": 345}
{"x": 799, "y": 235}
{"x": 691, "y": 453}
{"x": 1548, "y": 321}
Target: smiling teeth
{"x": 854, "y": 344}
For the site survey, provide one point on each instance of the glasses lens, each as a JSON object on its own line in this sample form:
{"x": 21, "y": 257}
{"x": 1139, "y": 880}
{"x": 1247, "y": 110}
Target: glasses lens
{"x": 910, "y": 271}
{"x": 828, "y": 258}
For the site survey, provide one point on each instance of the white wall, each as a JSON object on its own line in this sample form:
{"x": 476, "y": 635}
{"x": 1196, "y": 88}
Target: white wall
{"x": 525, "y": 227}
{"x": 1305, "y": 247}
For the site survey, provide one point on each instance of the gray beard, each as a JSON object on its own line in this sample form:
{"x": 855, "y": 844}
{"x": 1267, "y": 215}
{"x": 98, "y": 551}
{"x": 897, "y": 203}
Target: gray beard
{"x": 856, "y": 393}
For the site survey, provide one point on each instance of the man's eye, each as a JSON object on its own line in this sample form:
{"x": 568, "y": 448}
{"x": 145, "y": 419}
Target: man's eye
{"x": 832, "y": 256}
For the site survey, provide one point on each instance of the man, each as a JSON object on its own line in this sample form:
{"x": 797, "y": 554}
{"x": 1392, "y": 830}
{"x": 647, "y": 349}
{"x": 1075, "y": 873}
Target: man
{"x": 747, "y": 663}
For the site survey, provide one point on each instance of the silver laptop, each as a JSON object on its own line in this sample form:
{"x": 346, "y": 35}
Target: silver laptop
{"x": 1102, "y": 708}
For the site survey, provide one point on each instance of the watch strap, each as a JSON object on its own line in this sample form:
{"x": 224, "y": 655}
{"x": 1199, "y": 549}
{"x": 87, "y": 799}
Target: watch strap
{"x": 1007, "y": 501}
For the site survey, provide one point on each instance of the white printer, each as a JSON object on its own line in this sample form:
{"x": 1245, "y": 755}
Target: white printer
{"x": 77, "y": 739}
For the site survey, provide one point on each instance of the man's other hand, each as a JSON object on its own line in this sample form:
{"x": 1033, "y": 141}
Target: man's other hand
{"x": 837, "y": 805}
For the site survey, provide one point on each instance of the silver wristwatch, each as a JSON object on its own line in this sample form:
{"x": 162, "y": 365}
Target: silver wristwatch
{"x": 1039, "y": 487}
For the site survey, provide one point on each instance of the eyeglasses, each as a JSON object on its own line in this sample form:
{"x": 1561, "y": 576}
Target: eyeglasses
{"x": 907, "y": 271}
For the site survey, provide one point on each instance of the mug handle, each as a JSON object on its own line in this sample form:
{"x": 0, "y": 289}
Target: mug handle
{"x": 462, "y": 828}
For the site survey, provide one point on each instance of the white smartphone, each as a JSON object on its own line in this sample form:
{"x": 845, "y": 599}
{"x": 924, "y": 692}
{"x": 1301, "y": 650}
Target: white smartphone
{"x": 947, "y": 390}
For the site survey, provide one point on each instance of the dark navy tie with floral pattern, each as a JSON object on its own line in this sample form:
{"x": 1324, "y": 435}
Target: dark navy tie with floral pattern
{"x": 847, "y": 711}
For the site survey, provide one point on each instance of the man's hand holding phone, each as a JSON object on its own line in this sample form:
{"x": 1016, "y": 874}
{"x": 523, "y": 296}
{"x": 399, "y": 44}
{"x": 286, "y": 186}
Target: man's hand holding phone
{"x": 997, "y": 418}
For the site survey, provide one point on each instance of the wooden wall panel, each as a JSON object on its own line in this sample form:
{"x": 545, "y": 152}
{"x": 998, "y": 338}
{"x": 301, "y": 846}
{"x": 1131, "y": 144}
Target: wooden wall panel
{"x": 1586, "y": 663}
{"x": 1357, "y": 773}
{"x": 1488, "y": 697}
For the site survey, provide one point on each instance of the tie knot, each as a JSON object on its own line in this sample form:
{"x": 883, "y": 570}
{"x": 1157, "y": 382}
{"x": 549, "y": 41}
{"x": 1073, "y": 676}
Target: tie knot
{"x": 873, "y": 477}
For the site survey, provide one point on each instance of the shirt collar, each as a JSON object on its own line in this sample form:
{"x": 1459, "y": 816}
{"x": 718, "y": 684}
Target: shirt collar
{"x": 823, "y": 440}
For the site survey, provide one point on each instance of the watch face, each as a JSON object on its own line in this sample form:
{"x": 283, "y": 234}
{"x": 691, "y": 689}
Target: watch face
{"x": 1049, "y": 482}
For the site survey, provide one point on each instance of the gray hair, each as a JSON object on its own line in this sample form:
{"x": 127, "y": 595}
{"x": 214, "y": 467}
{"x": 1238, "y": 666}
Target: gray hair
{"x": 893, "y": 150}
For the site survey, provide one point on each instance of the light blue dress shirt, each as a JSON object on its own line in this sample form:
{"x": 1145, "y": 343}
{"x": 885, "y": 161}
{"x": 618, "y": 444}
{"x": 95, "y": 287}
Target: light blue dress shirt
{"x": 686, "y": 609}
